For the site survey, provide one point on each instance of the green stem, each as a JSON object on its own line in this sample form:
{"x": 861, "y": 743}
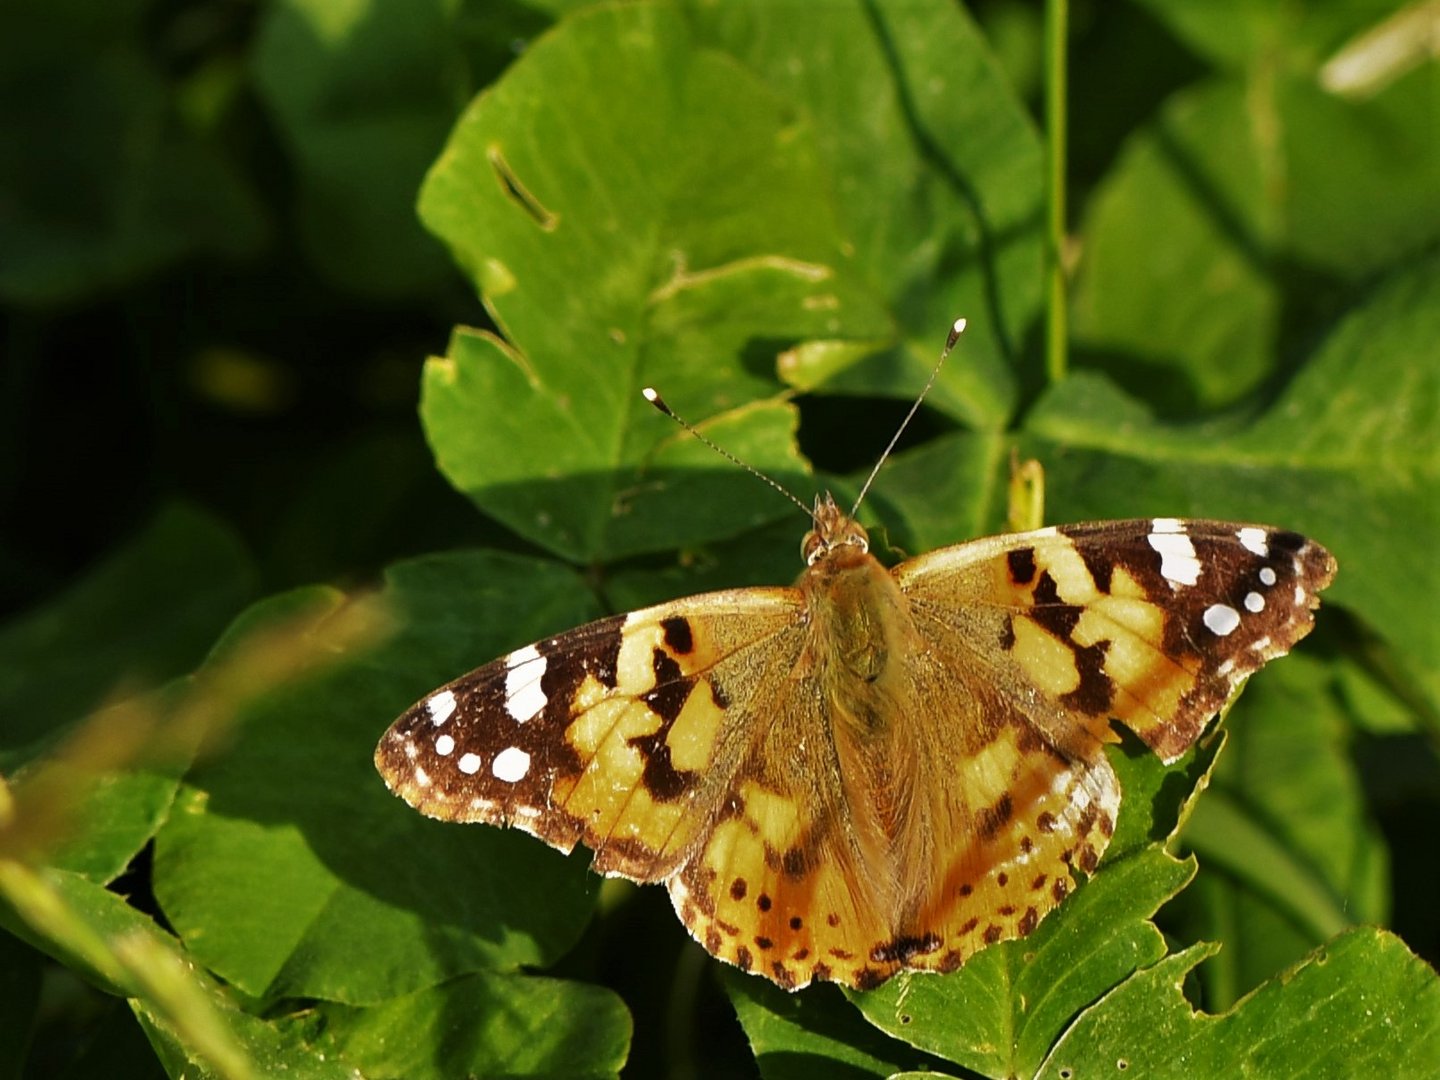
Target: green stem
{"x": 1057, "y": 19}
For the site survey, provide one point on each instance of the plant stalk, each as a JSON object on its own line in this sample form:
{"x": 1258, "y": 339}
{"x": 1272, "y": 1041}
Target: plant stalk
{"x": 1057, "y": 20}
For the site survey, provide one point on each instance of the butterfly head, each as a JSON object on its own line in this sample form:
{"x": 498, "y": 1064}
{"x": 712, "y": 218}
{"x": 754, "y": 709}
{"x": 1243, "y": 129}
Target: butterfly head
{"x": 833, "y": 529}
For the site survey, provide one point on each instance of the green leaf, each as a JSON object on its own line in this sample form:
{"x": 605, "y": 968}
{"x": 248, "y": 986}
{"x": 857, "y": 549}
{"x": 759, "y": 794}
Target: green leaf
{"x": 1209, "y": 341}
{"x": 1362, "y": 1005}
{"x": 942, "y": 492}
{"x": 1312, "y": 192}
{"x": 485, "y": 1025}
{"x": 550, "y": 489}
{"x": 288, "y": 868}
{"x": 1157, "y": 798}
{"x": 274, "y": 1048}
{"x": 547, "y": 194}
{"x": 1005, "y": 1008}
{"x": 933, "y": 173}
{"x": 1289, "y": 856}
{"x": 1364, "y": 182}
{"x": 815, "y": 1032}
{"x": 112, "y": 814}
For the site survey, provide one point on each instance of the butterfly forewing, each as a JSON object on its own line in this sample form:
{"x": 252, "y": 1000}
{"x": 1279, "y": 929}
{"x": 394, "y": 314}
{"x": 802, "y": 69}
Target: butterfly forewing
{"x": 609, "y": 734}
{"x": 1152, "y": 622}
{"x": 875, "y": 770}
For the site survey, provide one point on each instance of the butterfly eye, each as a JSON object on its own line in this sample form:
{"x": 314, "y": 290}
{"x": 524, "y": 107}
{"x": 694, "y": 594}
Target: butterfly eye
{"x": 812, "y": 547}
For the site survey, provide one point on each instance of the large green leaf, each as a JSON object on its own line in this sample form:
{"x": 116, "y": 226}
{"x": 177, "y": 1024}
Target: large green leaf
{"x": 1200, "y": 219}
{"x": 933, "y": 172}
{"x": 1242, "y": 32}
{"x": 1244, "y": 250}
{"x": 640, "y": 174}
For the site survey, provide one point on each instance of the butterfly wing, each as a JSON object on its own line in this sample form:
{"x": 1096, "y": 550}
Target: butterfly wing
{"x": 615, "y": 735}
{"x": 1033, "y": 643}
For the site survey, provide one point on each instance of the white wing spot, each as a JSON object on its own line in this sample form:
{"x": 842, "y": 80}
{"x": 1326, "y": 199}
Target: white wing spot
{"x": 1253, "y": 540}
{"x": 422, "y": 777}
{"x": 1267, "y": 575}
{"x": 441, "y": 706}
{"x": 1261, "y": 644}
{"x": 444, "y": 745}
{"x": 1178, "y": 564}
{"x": 524, "y": 669}
{"x": 469, "y": 764}
{"x": 1254, "y": 602}
{"x": 410, "y": 751}
{"x": 1299, "y": 595}
{"x": 511, "y": 765}
{"x": 1221, "y": 619}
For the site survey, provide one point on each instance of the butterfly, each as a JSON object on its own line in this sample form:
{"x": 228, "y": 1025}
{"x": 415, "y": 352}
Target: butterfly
{"x": 874, "y": 769}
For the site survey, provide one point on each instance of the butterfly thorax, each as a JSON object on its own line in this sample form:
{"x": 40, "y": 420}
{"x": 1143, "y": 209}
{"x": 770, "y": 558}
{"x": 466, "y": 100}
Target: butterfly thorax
{"x": 859, "y": 624}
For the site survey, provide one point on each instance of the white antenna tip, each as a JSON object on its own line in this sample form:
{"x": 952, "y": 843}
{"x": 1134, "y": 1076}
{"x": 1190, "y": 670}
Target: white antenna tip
{"x": 959, "y": 326}
{"x": 653, "y": 397}
{"x": 954, "y": 335}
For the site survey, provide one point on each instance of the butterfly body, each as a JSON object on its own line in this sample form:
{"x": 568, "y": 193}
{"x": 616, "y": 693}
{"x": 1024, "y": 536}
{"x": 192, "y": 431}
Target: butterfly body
{"x": 875, "y": 769}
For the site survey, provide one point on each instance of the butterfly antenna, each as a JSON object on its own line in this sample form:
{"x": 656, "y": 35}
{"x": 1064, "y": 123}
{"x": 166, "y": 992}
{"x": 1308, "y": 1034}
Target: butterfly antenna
{"x": 653, "y": 396}
{"x": 955, "y": 331}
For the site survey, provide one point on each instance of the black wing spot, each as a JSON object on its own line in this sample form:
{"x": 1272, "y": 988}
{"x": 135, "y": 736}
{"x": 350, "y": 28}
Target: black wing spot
{"x": 678, "y": 637}
{"x": 1022, "y": 565}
